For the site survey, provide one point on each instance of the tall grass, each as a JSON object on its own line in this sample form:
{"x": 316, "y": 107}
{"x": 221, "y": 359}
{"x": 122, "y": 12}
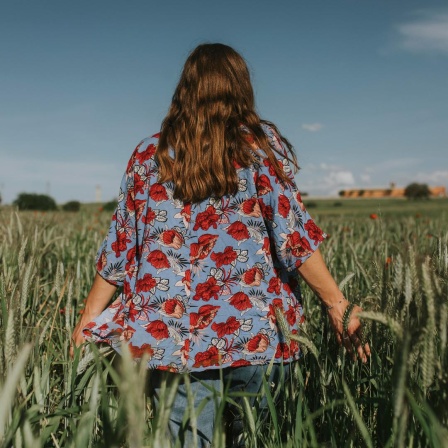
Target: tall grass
{"x": 396, "y": 268}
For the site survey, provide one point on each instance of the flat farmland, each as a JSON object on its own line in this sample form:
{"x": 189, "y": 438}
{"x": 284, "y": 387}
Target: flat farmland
{"x": 390, "y": 256}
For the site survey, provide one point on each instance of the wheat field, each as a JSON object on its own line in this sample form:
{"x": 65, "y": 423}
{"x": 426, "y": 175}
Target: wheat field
{"x": 395, "y": 266}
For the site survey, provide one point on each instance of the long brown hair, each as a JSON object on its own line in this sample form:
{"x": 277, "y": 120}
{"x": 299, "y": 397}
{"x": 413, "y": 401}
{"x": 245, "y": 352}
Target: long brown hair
{"x": 211, "y": 116}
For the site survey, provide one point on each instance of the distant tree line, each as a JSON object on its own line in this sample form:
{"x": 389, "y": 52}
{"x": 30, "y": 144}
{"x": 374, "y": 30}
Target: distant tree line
{"x": 43, "y": 202}
{"x": 412, "y": 191}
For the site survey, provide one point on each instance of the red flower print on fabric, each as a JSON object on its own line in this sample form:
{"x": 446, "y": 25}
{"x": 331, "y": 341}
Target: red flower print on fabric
{"x": 157, "y": 192}
{"x": 138, "y": 351}
{"x": 298, "y": 245}
{"x": 208, "y": 218}
{"x": 257, "y": 344}
{"x": 149, "y": 217}
{"x": 157, "y": 329}
{"x": 171, "y": 238}
{"x": 284, "y": 206}
{"x": 314, "y": 232}
{"x": 201, "y": 249}
{"x": 238, "y": 231}
{"x": 275, "y": 285}
{"x": 250, "y": 207}
{"x": 172, "y": 308}
{"x": 266, "y": 210}
{"x": 207, "y": 290}
{"x": 146, "y": 154}
{"x": 208, "y": 358}
{"x": 146, "y": 284}
{"x": 204, "y": 317}
{"x": 240, "y": 301}
{"x": 223, "y": 258}
{"x": 228, "y": 327}
{"x": 252, "y": 277}
{"x": 158, "y": 259}
{"x": 263, "y": 185}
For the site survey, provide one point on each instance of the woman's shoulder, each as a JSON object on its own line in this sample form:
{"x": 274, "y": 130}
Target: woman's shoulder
{"x": 145, "y": 151}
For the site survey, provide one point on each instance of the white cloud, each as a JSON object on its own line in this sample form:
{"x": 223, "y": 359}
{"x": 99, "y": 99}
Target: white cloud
{"x": 312, "y": 127}
{"x": 366, "y": 178}
{"x": 435, "y": 177}
{"x": 428, "y": 34}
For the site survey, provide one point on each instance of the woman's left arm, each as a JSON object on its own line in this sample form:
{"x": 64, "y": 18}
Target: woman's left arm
{"x": 315, "y": 273}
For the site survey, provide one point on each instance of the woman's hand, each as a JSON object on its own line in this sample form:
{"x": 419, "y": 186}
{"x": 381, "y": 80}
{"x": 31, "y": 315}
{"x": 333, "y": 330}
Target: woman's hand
{"x": 352, "y": 339}
{"x": 77, "y": 337}
{"x": 315, "y": 273}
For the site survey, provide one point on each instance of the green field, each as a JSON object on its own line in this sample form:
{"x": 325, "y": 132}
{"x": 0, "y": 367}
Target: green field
{"x": 395, "y": 265}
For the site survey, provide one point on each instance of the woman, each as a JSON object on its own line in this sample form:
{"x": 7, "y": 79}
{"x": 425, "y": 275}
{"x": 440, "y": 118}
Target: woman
{"x": 207, "y": 240}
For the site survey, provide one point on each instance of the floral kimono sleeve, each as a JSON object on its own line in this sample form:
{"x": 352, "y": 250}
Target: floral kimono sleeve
{"x": 116, "y": 254}
{"x": 293, "y": 233}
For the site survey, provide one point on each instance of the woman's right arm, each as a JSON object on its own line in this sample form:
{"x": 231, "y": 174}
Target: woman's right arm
{"x": 98, "y": 298}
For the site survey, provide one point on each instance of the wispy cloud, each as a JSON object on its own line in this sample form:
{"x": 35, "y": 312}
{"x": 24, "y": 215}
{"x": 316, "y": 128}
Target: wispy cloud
{"x": 426, "y": 34}
{"x": 312, "y": 127}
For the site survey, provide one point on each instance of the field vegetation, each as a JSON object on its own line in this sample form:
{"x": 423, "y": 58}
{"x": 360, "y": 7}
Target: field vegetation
{"x": 389, "y": 256}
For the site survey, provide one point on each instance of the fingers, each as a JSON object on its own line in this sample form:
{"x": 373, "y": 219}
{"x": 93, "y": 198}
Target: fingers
{"x": 347, "y": 344}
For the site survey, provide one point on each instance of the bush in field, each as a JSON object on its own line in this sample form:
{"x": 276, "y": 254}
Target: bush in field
{"x": 33, "y": 201}
{"x": 110, "y": 206}
{"x": 72, "y": 206}
{"x": 417, "y": 191}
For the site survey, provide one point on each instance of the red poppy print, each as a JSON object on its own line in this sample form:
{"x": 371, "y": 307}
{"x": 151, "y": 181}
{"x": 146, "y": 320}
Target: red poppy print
{"x": 263, "y": 185}
{"x": 266, "y": 210}
{"x": 275, "y": 285}
{"x": 157, "y": 329}
{"x": 206, "y": 219}
{"x": 282, "y": 350}
{"x": 257, "y": 344}
{"x": 120, "y": 244}
{"x": 231, "y": 325}
{"x": 201, "y": 249}
{"x": 314, "y": 232}
{"x": 250, "y": 207}
{"x": 204, "y": 317}
{"x": 146, "y": 154}
{"x": 252, "y": 277}
{"x": 146, "y": 283}
{"x": 291, "y": 315}
{"x": 158, "y": 193}
{"x": 207, "y": 290}
{"x": 138, "y": 351}
{"x": 240, "y": 301}
{"x": 240, "y": 363}
{"x": 238, "y": 231}
{"x": 209, "y": 358}
{"x": 223, "y": 258}
{"x": 158, "y": 259}
{"x": 173, "y": 308}
{"x": 284, "y": 206}
{"x": 171, "y": 238}
{"x": 298, "y": 245}
{"x": 149, "y": 217}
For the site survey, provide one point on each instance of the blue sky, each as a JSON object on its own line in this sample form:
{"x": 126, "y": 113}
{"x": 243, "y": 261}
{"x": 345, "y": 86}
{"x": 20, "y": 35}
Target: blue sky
{"x": 359, "y": 87}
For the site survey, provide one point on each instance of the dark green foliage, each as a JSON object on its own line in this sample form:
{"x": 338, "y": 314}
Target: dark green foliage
{"x": 33, "y": 201}
{"x": 72, "y": 206}
{"x": 110, "y": 206}
{"x": 311, "y": 204}
{"x": 341, "y": 193}
{"x": 417, "y": 191}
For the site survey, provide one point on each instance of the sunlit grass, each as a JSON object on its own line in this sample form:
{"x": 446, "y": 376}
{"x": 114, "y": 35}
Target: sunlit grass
{"x": 395, "y": 266}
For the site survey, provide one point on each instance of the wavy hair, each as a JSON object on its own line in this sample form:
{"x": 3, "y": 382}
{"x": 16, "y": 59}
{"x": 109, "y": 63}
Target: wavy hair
{"x": 212, "y": 125}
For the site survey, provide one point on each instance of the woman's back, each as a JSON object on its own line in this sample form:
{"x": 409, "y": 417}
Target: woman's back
{"x": 201, "y": 281}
